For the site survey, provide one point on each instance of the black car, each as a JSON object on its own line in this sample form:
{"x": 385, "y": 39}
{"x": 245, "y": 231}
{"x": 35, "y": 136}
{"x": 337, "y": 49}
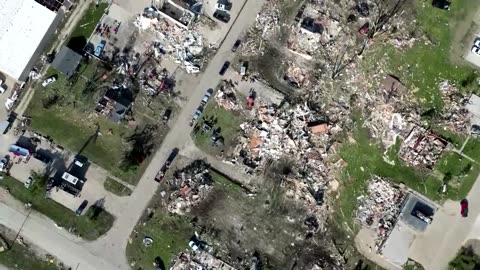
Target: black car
{"x": 299, "y": 15}
{"x": 42, "y": 156}
{"x": 441, "y": 4}
{"x": 224, "y": 68}
{"x": 236, "y": 45}
{"x": 166, "y": 115}
{"x": 81, "y": 208}
{"x": 222, "y": 16}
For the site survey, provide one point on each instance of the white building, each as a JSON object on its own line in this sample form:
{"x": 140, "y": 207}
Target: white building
{"x": 25, "y": 30}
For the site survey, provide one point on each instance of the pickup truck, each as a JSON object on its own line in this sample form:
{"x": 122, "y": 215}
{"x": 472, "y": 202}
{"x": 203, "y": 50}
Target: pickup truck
{"x": 161, "y": 174}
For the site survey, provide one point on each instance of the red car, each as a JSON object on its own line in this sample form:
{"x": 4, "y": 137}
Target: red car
{"x": 464, "y": 208}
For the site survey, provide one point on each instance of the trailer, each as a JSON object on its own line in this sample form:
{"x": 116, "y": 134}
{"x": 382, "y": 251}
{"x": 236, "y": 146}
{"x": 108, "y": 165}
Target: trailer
{"x": 161, "y": 173}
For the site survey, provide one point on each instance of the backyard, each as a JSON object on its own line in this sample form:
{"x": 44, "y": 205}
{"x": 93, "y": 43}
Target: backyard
{"x": 89, "y": 226}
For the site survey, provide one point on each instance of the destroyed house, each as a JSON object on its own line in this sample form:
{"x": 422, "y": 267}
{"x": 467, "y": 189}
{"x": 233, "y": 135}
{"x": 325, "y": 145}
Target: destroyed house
{"x": 312, "y": 25}
{"x": 176, "y": 13}
{"x": 422, "y": 148}
{"x": 115, "y": 104}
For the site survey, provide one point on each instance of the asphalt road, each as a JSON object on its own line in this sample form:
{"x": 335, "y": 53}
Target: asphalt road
{"x": 108, "y": 252}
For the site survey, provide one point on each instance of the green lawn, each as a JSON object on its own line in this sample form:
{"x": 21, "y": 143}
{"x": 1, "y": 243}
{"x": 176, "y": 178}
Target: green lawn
{"x": 466, "y": 260}
{"x": 85, "y": 227}
{"x": 170, "y": 234}
{"x": 21, "y": 258}
{"x": 116, "y": 188}
{"x": 89, "y": 20}
{"x": 472, "y": 149}
{"x": 463, "y": 173}
{"x": 228, "y": 121}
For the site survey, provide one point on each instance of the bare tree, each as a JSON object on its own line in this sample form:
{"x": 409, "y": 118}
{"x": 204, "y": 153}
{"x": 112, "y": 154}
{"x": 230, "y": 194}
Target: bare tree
{"x": 385, "y": 11}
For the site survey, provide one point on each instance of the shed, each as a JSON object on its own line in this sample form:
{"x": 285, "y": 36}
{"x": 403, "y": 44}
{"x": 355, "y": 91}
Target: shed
{"x": 66, "y": 61}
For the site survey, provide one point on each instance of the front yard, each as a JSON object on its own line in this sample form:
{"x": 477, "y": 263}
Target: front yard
{"x": 89, "y": 226}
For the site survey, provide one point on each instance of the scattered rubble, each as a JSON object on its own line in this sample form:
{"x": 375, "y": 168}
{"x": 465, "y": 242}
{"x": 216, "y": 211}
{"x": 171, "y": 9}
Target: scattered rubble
{"x": 268, "y": 19}
{"x": 391, "y": 115}
{"x": 454, "y": 113}
{"x": 191, "y": 185}
{"x": 379, "y": 208}
{"x": 226, "y": 97}
{"x": 185, "y": 46}
{"x": 300, "y": 135}
{"x": 199, "y": 260}
{"x": 422, "y": 148}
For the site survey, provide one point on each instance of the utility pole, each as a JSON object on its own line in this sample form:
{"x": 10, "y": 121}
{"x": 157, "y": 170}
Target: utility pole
{"x": 19, "y": 230}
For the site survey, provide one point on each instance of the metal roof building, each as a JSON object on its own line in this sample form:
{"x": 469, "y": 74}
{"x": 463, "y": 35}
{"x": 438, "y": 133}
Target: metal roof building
{"x": 25, "y": 29}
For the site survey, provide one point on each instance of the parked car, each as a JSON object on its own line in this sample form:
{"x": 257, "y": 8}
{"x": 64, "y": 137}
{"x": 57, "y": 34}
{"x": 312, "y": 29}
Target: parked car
{"x": 422, "y": 217}
{"x": 222, "y": 16}
{"x": 43, "y": 157}
{"x": 299, "y": 15}
{"x": 236, "y": 45}
{"x": 206, "y": 97}
{"x": 161, "y": 173}
{"x": 49, "y": 80}
{"x": 166, "y": 115}
{"x": 226, "y": 6}
{"x": 441, "y": 4}
{"x": 224, "y": 68}
{"x": 29, "y": 182}
{"x": 464, "y": 208}
{"x": 476, "y": 47}
{"x": 81, "y": 208}
{"x": 195, "y": 117}
{"x": 475, "y": 129}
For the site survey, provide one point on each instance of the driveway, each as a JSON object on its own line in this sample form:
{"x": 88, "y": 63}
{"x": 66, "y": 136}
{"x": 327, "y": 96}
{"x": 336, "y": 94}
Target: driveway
{"x": 448, "y": 232}
{"x": 109, "y": 251}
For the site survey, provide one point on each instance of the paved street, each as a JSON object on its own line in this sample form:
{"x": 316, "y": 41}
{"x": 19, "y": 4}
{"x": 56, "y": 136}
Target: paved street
{"x": 109, "y": 251}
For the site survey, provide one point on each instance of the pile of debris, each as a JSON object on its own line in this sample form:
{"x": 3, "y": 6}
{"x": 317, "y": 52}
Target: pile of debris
{"x": 198, "y": 260}
{"x": 190, "y": 186}
{"x": 226, "y": 97}
{"x": 295, "y": 133}
{"x": 380, "y": 208}
{"x": 454, "y": 113}
{"x": 267, "y": 21}
{"x": 184, "y": 46}
{"x": 296, "y": 76}
{"x": 422, "y": 148}
{"x": 391, "y": 113}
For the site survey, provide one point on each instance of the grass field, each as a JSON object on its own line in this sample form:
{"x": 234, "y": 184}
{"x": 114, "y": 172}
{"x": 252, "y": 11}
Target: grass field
{"x": 84, "y": 226}
{"x": 21, "y": 258}
{"x": 424, "y": 65}
{"x": 366, "y": 158}
{"x": 89, "y": 20}
{"x": 116, "y": 188}
{"x": 228, "y": 121}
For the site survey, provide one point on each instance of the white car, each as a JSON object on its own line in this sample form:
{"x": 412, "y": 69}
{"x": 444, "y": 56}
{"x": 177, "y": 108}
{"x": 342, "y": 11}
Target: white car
{"x": 29, "y": 182}
{"x": 48, "y": 81}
